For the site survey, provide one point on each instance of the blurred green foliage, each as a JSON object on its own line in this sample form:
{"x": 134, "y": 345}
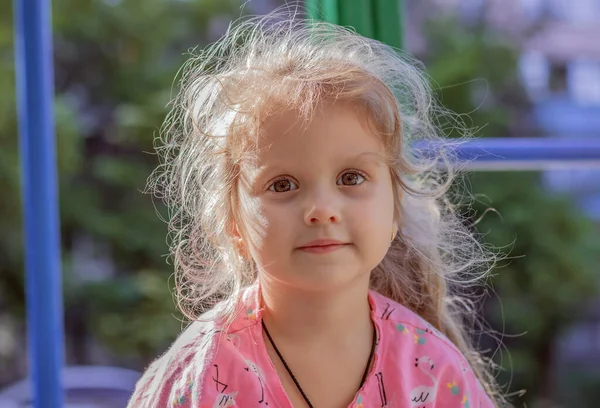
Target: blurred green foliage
{"x": 552, "y": 249}
{"x": 114, "y": 66}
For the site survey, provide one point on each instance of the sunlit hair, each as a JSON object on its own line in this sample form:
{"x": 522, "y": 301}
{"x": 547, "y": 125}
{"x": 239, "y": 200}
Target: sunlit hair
{"x": 269, "y": 65}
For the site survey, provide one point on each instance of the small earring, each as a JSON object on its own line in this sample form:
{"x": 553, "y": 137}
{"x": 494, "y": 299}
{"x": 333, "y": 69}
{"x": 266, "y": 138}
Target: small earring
{"x": 393, "y": 236}
{"x": 241, "y": 248}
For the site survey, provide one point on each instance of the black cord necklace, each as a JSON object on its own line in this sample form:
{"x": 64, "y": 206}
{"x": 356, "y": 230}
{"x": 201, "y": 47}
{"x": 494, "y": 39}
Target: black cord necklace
{"x": 364, "y": 377}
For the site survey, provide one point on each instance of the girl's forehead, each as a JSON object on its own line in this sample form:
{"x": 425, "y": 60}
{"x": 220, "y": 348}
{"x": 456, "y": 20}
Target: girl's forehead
{"x": 334, "y": 137}
{"x": 336, "y": 127}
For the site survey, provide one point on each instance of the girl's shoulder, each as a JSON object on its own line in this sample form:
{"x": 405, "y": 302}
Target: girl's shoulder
{"x": 393, "y": 315}
{"x": 167, "y": 377}
{"x": 176, "y": 379}
{"x": 402, "y": 328}
{"x": 417, "y": 353}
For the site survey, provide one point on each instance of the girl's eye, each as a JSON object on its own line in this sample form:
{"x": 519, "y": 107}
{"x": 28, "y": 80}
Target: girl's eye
{"x": 350, "y": 178}
{"x": 283, "y": 185}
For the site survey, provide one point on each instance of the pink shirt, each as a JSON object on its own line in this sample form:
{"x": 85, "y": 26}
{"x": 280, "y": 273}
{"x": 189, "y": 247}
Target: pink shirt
{"x": 206, "y": 367}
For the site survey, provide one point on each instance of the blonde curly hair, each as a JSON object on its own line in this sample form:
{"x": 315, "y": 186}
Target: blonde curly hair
{"x": 265, "y": 65}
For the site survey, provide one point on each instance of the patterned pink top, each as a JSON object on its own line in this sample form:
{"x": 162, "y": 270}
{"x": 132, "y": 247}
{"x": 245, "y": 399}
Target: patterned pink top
{"x": 208, "y": 366}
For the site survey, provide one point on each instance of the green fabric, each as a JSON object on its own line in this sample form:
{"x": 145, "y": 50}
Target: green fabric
{"x": 358, "y": 14}
{"x": 378, "y": 19}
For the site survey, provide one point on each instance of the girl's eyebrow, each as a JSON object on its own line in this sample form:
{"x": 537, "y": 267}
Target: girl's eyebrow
{"x": 279, "y": 167}
{"x": 263, "y": 173}
{"x": 373, "y": 157}
{"x": 266, "y": 169}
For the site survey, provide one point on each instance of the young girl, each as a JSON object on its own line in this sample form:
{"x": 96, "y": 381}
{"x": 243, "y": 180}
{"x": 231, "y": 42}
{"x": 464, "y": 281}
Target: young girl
{"x": 322, "y": 245}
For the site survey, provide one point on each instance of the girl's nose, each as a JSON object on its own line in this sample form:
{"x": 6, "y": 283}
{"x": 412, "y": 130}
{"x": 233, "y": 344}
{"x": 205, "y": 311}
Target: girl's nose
{"x": 322, "y": 209}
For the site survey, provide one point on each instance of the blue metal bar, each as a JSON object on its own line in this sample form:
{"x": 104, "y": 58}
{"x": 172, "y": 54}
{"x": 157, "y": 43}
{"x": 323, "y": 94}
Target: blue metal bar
{"x": 522, "y": 153}
{"x": 35, "y": 89}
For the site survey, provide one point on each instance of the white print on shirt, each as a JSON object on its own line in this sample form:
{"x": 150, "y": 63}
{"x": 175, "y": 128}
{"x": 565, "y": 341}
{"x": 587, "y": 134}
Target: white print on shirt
{"x": 423, "y": 394}
{"x": 251, "y": 366}
{"x": 223, "y": 400}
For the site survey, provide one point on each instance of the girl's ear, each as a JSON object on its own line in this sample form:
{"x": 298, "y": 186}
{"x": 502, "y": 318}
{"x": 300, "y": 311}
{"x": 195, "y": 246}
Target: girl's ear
{"x": 241, "y": 246}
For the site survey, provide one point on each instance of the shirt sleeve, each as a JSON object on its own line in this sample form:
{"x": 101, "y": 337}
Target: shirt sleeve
{"x": 175, "y": 379}
{"x": 150, "y": 390}
{"x": 459, "y": 387}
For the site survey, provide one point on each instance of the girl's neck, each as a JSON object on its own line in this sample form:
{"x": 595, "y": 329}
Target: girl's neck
{"x": 300, "y": 316}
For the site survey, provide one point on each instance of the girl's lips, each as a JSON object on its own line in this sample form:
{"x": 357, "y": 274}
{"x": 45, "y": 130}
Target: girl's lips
{"x": 323, "y": 249}
{"x": 323, "y": 246}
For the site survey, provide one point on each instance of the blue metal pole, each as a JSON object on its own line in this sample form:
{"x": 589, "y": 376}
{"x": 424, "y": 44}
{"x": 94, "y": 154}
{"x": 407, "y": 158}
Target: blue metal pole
{"x": 541, "y": 153}
{"x": 35, "y": 89}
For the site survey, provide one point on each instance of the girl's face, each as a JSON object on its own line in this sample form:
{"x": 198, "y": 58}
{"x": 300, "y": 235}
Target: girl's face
{"x": 318, "y": 200}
